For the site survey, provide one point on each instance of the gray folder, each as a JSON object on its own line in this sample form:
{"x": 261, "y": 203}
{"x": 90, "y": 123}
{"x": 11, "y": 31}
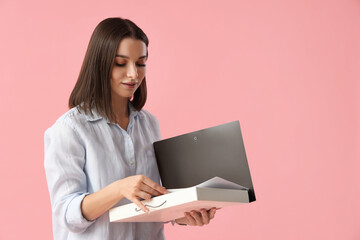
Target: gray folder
{"x": 189, "y": 159}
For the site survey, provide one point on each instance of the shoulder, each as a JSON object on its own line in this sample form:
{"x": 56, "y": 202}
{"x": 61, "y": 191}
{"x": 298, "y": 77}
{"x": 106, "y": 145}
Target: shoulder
{"x": 148, "y": 117}
{"x": 71, "y": 119}
{"x": 151, "y": 122}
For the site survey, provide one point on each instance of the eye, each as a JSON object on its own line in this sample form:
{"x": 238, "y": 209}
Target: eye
{"x": 120, "y": 64}
{"x": 141, "y": 65}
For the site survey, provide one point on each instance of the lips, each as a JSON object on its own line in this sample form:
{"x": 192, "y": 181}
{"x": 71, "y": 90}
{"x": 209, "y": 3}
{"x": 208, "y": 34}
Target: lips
{"x": 129, "y": 85}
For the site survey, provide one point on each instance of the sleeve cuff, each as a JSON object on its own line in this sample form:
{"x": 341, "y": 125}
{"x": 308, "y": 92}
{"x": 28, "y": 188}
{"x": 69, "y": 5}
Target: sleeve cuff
{"x": 74, "y": 214}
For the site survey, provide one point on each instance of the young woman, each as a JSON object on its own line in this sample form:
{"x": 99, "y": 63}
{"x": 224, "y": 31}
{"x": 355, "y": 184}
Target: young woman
{"x": 99, "y": 154}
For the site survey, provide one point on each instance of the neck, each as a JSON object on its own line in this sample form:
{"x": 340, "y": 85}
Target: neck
{"x": 120, "y": 108}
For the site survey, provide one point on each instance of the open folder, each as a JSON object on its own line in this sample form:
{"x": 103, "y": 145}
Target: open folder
{"x": 203, "y": 169}
{"x": 216, "y": 192}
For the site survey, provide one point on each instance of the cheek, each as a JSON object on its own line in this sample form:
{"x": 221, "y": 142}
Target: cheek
{"x": 116, "y": 75}
{"x": 142, "y": 74}
{"x": 142, "y": 71}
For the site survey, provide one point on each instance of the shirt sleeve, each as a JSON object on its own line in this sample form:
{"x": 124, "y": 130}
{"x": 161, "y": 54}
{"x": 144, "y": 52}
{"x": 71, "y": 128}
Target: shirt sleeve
{"x": 64, "y": 164}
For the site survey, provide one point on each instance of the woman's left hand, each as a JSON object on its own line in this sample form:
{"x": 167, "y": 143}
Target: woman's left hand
{"x": 197, "y": 218}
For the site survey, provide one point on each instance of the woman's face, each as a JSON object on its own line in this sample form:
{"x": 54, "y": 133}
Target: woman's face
{"x": 129, "y": 68}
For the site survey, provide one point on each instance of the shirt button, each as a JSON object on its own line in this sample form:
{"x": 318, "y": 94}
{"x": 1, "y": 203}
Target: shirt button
{"x": 127, "y": 136}
{"x": 131, "y": 162}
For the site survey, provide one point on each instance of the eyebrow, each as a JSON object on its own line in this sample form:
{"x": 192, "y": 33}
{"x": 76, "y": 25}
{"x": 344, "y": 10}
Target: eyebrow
{"x": 123, "y": 56}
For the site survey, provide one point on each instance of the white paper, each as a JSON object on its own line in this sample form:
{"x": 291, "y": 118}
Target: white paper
{"x": 218, "y": 182}
{"x": 215, "y": 182}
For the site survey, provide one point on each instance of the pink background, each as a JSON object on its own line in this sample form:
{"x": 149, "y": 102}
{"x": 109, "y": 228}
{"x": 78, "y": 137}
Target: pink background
{"x": 288, "y": 70}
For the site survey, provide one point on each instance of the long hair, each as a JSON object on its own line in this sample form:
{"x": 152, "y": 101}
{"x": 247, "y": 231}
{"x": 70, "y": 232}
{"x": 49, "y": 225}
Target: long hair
{"x": 92, "y": 89}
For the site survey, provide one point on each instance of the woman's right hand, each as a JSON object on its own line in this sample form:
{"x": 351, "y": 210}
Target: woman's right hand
{"x": 139, "y": 186}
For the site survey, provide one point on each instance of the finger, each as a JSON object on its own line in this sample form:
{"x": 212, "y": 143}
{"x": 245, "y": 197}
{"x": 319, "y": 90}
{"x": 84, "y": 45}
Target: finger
{"x": 153, "y": 185}
{"x": 140, "y": 205}
{"x": 190, "y": 219}
{"x": 142, "y": 194}
{"x": 205, "y": 216}
{"x": 197, "y": 218}
{"x": 212, "y": 213}
{"x": 182, "y": 221}
{"x": 145, "y": 188}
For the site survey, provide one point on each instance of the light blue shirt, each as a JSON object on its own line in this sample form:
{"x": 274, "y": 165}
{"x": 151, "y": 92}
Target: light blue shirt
{"x": 84, "y": 154}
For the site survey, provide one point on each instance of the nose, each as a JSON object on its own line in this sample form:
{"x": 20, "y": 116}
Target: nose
{"x": 132, "y": 72}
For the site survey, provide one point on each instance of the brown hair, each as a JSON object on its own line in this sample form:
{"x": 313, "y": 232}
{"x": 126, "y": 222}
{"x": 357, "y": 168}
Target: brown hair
{"x": 93, "y": 89}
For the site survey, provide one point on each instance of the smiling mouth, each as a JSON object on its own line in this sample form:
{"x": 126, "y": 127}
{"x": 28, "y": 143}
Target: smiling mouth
{"x": 131, "y": 85}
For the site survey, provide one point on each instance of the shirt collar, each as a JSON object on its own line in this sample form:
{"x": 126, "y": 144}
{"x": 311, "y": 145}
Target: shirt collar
{"x": 133, "y": 112}
{"x": 96, "y": 116}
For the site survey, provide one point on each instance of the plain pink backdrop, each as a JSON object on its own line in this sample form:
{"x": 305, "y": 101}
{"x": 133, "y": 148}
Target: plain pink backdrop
{"x": 288, "y": 70}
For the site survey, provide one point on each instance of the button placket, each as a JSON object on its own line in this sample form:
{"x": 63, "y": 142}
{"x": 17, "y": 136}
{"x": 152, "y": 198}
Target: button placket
{"x": 130, "y": 150}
